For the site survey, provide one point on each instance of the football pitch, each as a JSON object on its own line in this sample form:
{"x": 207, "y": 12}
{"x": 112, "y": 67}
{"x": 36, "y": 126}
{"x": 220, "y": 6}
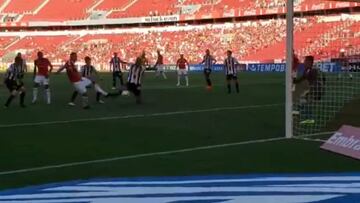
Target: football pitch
{"x": 177, "y": 131}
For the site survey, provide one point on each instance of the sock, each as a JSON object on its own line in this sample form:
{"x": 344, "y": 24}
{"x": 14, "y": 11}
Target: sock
{"x": 98, "y": 89}
{"x": 11, "y": 97}
{"x": 237, "y": 87}
{"x": 114, "y": 81}
{"x": 98, "y": 95}
{"x": 22, "y": 98}
{"x": 48, "y": 96}
{"x": 208, "y": 81}
{"x": 187, "y": 80}
{"x": 35, "y": 94}
{"x": 164, "y": 75}
{"x": 74, "y": 95}
{"x": 178, "y": 80}
{"x": 229, "y": 88}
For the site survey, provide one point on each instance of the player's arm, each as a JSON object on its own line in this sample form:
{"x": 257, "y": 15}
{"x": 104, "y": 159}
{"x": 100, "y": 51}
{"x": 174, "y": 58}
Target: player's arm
{"x": 157, "y": 62}
{"x": 111, "y": 64}
{"x": 236, "y": 61}
{"x": 61, "y": 69}
{"x": 177, "y": 64}
{"x": 123, "y": 62}
{"x": 213, "y": 60}
{"x": 6, "y": 75}
{"x": 51, "y": 66}
{"x": 203, "y": 61}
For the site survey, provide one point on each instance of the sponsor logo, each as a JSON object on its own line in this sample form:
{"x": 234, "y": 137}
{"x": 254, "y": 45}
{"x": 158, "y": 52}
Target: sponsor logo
{"x": 269, "y": 67}
{"x": 328, "y": 67}
{"x": 346, "y": 141}
{"x": 308, "y": 188}
{"x": 155, "y": 19}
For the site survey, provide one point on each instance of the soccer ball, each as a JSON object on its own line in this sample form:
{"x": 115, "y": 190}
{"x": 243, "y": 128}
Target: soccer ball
{"x": 125, "y": 93}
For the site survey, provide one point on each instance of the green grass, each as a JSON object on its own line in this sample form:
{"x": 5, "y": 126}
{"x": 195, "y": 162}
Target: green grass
{"x": 43, "y": 145}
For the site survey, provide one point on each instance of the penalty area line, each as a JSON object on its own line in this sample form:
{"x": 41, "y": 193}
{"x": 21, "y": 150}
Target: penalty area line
{"x": 172, "y": 113}
{"x": 137, "y": 156}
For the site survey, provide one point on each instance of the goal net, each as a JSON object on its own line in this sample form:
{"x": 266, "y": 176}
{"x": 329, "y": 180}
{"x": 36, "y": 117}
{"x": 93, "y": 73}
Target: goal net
{"x": 324, "y": 54}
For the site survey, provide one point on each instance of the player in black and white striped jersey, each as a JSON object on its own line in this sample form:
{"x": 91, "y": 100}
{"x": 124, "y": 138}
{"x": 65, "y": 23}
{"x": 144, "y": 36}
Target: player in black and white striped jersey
{"x": 89, "y": 71}
{"x": 13, "y": 82}
{"x": 135, "y": 76}
{"x": 22, "y": 69}
{"x": 230, "y": 64}
{"x": 116, "y": 65}
{"x": 208, "y": 61}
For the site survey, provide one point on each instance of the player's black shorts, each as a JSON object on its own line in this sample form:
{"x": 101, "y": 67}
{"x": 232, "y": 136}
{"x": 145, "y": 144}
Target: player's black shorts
{"x": 134, "y": 88}
{"x": 231, "y": 77}
{"x": 13, "y": 85}
{"x": 207, "y": 71}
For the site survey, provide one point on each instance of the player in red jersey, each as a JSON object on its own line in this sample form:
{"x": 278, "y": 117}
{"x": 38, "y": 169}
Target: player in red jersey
{"x": 79, "y": 83}
{"x": 159, "y": 65}
{"x": 42, "y": 69}
{"x": 182, "y": 64}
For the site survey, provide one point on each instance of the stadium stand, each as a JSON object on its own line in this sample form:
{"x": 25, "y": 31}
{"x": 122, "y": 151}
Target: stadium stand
{"x": 64, "y": 10}
{"x": 60, "y": 10}
{"x": 21, "y": 6}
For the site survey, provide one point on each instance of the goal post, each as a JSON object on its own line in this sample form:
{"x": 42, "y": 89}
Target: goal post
{"x": 289, "y": 61}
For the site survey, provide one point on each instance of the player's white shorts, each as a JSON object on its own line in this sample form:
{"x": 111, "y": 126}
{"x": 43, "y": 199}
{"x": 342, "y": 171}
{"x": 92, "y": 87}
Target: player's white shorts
{"x": 160, "y": 68}
{"x": 81, "y": 85}
{"x": 182, "y": 72}
{"x": 42, "y": 80}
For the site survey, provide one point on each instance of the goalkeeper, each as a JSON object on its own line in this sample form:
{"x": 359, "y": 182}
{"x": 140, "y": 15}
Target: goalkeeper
{"x": 309, "y": 88}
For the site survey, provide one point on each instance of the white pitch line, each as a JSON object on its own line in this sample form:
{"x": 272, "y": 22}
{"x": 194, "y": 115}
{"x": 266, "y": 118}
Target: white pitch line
{"x": 310, "y": 139}
{"x": 82, "y": 163}
{"x": 138, "y": 116}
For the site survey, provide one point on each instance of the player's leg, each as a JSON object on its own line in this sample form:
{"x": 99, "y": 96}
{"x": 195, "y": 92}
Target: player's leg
{"x": 47, "y": 91}
{"x": 228, "y": 83}
{"x": 236, "y": 81}
{"x": 37, "y": 82}
{"x": 35, "y": 92}
{"x": 179, "y": 73}
{"x": 73, "y": 98}
{"x": 162, "y": 71}
{"x": 114, "y": 80}
{"x": 22, "y": 92}
{"x": 121, "y": 78}
{"x": 185, "y": 74}
{"x": 99, "y": 92}
{"x": 137, "y": 93}
{"x": 207, "y": 78}
{"x": 12, "y": 89}
{"x": 164, "y": 75}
